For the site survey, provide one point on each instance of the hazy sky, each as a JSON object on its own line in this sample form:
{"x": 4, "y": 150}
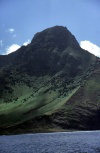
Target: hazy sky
{"x": 21, "y": 19}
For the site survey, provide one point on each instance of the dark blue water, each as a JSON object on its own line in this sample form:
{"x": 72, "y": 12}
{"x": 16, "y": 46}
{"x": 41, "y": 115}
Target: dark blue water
{"x": 67, "y": 142}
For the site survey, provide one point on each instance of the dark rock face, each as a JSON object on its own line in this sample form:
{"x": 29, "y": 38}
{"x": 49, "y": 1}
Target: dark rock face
{"x": 49, "y": 52}
{"x": 57, "y": 36}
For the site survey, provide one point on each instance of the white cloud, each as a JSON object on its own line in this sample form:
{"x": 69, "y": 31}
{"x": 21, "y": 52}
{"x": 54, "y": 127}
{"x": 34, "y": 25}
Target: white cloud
{"x": 26, "y": 43}
{"x": 11, "y": 30}
{"x": 89, "y": 46}
{"x": 14, "y": 47}
{"x": 1, "y": 43}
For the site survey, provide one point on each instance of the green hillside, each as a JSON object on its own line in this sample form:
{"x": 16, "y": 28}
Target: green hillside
{"x": 50, "y": 85}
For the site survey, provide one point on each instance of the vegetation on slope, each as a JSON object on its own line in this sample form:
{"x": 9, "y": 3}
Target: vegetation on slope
{"x": 51, "y": 84}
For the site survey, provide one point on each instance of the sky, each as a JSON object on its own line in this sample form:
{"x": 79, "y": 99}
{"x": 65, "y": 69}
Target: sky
{"x": 21, "y": 19}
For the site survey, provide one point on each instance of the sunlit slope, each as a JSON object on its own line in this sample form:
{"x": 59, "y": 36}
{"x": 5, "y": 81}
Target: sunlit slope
{"x": 32, "y": 104}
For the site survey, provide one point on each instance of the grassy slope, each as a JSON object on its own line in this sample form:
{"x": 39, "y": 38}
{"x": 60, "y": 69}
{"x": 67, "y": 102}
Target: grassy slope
{"x": 45, "y": 109}
{"x": 31, "y": 103}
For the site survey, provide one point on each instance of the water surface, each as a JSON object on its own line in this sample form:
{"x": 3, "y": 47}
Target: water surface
{"x": 64, "y": 142}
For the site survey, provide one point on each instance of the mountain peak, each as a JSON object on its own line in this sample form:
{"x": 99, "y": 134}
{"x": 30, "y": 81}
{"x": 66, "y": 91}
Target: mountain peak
{"x": 53, "y": 50}
{"x": 57, "y": 36}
